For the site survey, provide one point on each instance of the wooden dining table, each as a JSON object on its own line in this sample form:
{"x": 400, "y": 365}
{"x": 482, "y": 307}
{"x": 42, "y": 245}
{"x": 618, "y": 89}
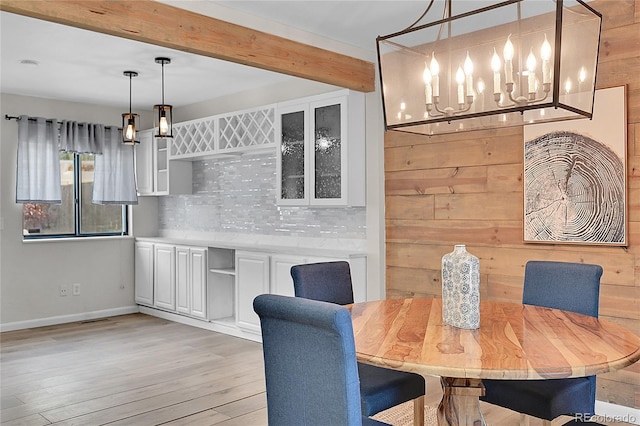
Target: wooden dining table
{"x": 514, "y": 341}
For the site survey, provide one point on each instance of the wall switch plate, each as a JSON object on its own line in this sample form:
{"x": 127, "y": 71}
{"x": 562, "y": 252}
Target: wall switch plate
{"x": 76, "y": 289}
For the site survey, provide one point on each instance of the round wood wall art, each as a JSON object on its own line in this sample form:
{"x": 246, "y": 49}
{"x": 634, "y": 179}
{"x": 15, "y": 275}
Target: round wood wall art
{"x": 574, "y": 190}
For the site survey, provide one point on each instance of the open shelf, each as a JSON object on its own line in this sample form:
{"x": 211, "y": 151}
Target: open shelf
{"x": 224, "y": 271}
{"x": 221, "y": 284}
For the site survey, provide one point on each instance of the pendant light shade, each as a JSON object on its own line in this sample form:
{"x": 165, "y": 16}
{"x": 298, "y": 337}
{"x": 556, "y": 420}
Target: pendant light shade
{"x": 129, "y": 120}
{"x": 510, "y": 63}
{"x": 163, "y": 114}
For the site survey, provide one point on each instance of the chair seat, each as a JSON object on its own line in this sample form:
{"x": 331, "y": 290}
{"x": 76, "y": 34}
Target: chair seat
{"x": 545, "y": 399}
{"x": 383, "y": 388}
{"x": 366, "y": 421}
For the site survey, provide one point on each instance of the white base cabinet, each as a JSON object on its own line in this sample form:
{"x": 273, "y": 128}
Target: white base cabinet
{"x": 164, "y": 282}
{"x": 252, "y": 279}
{"x": 191, "y": 281}
{"x": 216, "y": 286}
{"x": 144, "y": 273}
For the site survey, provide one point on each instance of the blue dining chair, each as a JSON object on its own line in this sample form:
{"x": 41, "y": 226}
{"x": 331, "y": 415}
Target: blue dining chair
{"x": 309, "y": 362}
{"x": 571, "y": 287}
{"x": 380, "y": 388}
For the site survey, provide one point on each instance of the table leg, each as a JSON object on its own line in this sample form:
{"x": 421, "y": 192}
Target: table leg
{"x": 460, "y": 403}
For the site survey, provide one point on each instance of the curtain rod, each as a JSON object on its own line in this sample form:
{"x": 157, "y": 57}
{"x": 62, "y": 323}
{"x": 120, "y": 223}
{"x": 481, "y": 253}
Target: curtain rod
{"x": 12, "y": 117}
{"x": 48, "y": 120}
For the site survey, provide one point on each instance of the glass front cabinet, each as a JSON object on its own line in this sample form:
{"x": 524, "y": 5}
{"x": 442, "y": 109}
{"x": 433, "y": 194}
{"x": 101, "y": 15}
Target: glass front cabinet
{"x": 321, "y": 156}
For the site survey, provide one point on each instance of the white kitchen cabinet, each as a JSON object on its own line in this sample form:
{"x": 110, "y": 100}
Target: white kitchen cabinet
{"x": 214, "y": 287}
{"x": 280, "y": 269}
{"x": 191, "y": 281}
{"x": 164, "y": 283}
{"x": 198, "y": 264}
{"x": 231, "y": 133}
{"x": 252, "y": 279}
{"x": 155, "y": 173}
{"x": 144, "y": 273}
{"x": 144, "y": 162}
{"x": 321, "y": 150}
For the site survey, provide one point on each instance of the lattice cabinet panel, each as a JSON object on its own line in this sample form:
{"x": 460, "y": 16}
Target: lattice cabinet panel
{"x": 253, "y": 128}
{"x": 194, "y": 138}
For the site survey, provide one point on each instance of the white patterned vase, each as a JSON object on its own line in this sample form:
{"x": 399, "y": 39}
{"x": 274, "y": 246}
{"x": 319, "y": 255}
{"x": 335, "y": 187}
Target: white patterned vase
{"x": 461, "y": 288}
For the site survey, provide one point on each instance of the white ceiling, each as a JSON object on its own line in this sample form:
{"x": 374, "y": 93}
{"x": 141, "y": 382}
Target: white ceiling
{"x": 83, "y": 66}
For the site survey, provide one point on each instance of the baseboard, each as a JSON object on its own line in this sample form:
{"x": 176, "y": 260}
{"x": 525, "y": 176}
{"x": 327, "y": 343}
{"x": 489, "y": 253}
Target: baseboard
{"x": 218, "y": 326}
{"x": 62, "y": 319}
{"x": 613, "y": 413}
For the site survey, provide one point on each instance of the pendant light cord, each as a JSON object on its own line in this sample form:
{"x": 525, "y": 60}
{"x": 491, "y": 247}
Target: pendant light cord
{"x": 421, "y": 16}
{"x": 162, "y": 83}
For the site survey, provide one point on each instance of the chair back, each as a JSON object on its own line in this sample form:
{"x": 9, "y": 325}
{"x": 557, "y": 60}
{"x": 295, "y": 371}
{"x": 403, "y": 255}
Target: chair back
{"x": 568, "y": 286}
{"x": 324, "y": 281}
{"x": 310, "y": 362}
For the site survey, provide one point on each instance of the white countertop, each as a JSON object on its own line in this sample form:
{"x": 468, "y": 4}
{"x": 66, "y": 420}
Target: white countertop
{"x": 265, "y": 243}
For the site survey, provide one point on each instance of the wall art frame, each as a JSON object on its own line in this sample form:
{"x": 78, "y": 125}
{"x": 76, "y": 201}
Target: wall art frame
{"x": 575, "y": 176}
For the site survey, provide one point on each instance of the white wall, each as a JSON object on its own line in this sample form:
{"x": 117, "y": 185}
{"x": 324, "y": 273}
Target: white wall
{"x": 31, "y": 272}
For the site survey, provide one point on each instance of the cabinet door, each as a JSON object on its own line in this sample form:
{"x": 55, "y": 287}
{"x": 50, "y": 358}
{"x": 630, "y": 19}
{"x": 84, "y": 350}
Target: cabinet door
{"x": 328, "y": 154}
{"x": 161, "y": 166}
{"x": 164, "y": 284}
{"x": 144, "y": 162}
{"x": 252, "y": 279}
{"x": 144, "y": 273}
{"x": 198, "y": 282}
{"x": 183, "y": 280}
{"x": 281, "y": 281}
{"x": 293, "y": 158}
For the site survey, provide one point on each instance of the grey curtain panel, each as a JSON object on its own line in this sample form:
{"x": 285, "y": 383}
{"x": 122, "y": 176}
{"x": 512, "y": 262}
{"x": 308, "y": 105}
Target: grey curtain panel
{"x": 38, "y": 165}
{"x": 114, "y": 174}
{"x": 38, "y": 171}
{"x": 85, "y": 138}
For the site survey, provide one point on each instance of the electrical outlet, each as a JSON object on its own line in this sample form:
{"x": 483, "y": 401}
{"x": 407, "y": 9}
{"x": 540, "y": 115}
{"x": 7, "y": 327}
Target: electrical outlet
{"x": 121, "y": 285}
{"x": 64, "y": 289}
{"x": 76, "y": 289}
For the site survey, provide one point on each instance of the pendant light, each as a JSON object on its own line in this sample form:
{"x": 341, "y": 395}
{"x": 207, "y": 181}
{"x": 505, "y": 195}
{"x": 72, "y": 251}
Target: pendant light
{"x": 129, "y": 124}
{"x": 163, "y": 121}
{"x": 509, "y": 63}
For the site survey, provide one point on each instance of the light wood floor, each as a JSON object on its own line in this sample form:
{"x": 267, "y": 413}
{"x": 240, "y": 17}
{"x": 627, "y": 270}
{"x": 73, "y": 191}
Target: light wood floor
{"x": 141, "y": 370}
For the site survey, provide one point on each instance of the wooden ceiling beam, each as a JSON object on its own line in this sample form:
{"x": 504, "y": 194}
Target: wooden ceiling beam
{"x": 164, "y": 25}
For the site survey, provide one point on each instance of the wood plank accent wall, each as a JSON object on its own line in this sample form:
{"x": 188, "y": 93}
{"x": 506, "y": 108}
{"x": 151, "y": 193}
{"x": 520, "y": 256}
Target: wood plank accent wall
{"x": 466, "y": 188}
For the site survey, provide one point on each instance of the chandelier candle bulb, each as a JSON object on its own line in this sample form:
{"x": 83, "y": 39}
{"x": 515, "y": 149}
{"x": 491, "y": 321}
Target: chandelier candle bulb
{"x": 496, "y": 65}
{"x": 545, "y": 55}
{"x": 468, "y": 72}
{"x": 435, "y": 70}
{"x": 508, "y": 58}
{"x": 460, "y": 80}
{"x": 426, "y": 77}
{"x": 531, "y": 68}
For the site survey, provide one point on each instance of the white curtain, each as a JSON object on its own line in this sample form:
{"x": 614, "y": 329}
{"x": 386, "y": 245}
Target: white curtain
{"x": 86, "y": 138}
{"x": 114, "y": 174}
{"x": 38, "y": 168}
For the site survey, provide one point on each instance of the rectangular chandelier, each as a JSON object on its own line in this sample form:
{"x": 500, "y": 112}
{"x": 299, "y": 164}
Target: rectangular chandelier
{"x": 507, "y": 64}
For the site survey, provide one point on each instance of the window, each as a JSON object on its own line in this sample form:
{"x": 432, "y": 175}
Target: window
{"x": 77, "y": 216}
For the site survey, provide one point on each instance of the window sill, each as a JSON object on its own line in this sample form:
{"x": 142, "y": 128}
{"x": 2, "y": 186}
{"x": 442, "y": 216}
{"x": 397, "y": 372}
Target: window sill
{"x": 77, "y": 239}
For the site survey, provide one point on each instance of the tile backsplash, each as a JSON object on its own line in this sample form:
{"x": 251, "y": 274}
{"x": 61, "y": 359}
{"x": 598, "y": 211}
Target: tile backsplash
{"x": 238, "y": 195}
